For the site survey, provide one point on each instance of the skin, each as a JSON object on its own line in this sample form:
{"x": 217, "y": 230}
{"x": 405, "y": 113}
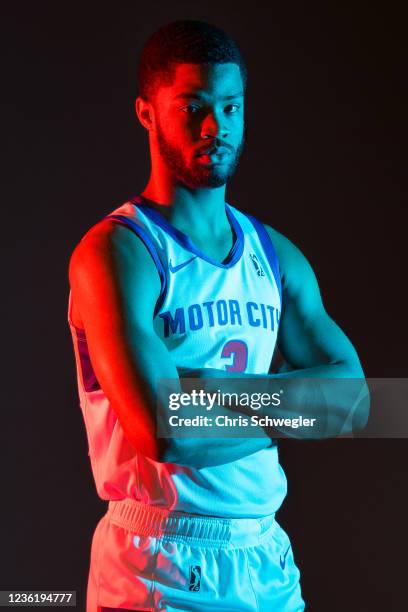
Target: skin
{"x": 115, "y": 284}
{"x": 193, "y": 124}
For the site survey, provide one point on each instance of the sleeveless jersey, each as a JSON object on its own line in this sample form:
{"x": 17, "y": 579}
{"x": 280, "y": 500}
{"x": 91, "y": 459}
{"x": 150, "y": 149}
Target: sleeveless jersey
{"x": 209, "y": 314}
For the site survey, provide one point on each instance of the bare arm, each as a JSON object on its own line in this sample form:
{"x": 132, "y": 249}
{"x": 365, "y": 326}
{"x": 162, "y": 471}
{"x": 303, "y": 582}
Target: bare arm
{"x": 115, "y": 286}
{"x": 308, "y": 337}
{"x": 314, "y": 346}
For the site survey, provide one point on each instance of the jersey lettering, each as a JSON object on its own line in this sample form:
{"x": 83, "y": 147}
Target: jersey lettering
{"x": 221, "y": 313}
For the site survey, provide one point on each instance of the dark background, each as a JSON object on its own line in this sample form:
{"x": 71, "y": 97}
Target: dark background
{"x": 323, "y": 165}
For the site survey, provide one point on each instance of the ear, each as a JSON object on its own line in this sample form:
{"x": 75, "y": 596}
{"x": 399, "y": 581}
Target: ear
{"x": 145, "y": 113}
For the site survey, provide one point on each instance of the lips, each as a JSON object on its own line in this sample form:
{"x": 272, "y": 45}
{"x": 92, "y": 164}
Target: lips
{"x": 214, "y": 156}
{"x": 214, "y": 151}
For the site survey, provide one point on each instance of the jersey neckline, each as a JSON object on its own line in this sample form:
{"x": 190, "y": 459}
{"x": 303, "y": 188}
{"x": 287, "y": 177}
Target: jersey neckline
{"x": 181, "y": 238}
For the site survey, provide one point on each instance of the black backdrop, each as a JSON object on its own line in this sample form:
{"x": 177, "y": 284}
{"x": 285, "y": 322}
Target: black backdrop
{"x": 323, "y": 164}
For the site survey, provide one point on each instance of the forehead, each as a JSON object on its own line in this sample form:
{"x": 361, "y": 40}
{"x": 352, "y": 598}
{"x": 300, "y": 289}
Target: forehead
{"x": 204, "y": 79}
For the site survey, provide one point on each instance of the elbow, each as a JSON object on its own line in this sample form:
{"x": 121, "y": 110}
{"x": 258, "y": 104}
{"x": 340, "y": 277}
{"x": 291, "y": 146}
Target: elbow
{"x": 361, "y": 409}
{"x": 362, "y": 412}
{"x": 348, "y": 368}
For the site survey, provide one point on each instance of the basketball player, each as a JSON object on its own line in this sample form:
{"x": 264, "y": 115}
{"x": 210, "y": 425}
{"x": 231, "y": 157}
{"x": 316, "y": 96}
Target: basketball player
{"x": 178, "y": 279}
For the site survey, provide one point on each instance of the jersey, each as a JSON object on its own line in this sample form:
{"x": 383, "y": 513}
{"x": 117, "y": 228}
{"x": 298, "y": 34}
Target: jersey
{"x": 209, "y": 314}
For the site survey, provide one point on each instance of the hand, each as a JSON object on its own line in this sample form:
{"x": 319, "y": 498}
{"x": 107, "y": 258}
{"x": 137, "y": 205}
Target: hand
{"x": 200, "y": 373}
{"x": 285, "y": 367}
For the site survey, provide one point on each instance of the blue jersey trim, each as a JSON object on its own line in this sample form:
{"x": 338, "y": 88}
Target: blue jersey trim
{"x": 145, "y": 238}
{"x": 269, "y": 250}
{"x": 181, "y": 238}
{"x": 89, "y": 380}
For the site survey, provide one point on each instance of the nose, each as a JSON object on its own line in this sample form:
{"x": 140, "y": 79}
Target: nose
{"x": 212, "y": 127}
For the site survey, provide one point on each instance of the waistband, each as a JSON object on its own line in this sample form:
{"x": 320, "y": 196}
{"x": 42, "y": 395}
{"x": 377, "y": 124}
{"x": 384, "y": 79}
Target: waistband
{"x": 145, "y": 520}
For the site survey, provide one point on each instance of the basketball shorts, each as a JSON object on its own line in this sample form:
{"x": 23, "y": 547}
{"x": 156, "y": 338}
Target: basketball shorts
{"x": 147, "y": 558}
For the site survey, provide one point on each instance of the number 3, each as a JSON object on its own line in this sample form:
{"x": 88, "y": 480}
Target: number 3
{"x": 239, "y": 350}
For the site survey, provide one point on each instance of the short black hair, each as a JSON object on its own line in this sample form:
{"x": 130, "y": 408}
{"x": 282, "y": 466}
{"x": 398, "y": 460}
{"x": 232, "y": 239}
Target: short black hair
{"x": 184, "y": 42}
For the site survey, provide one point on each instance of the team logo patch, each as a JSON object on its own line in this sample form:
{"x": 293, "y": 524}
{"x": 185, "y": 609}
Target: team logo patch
{"x": 195, "y": 578}
{"x": 257, "y": 265}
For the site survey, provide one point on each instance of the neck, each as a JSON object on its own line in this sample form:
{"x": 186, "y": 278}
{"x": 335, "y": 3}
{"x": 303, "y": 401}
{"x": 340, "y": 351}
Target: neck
{"x": 200, "y": 210}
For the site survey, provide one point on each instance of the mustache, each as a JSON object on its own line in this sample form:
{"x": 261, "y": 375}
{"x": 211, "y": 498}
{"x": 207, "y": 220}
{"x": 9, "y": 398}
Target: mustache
{"x": 216, "y": 147}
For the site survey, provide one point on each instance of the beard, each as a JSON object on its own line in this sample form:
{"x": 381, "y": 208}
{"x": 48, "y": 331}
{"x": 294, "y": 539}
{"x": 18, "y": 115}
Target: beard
{"x": 197, "y": 176}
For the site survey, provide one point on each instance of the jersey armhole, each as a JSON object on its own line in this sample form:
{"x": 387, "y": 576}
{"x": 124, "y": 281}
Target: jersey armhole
{"x": 269, "y": 250}
{"x": 145, "y": 238}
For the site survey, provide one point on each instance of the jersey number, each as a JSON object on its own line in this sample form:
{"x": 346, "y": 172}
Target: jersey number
{"x": 239, "y": 350}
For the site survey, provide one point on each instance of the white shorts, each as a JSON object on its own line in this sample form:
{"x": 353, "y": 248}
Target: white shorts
{"x": 146, "y": 558}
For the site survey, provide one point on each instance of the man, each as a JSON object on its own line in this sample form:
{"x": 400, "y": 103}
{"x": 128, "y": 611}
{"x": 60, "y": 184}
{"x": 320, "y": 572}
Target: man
{"x": 178, "y": 280}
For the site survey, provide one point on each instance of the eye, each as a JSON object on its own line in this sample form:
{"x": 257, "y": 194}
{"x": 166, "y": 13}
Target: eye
{"x": 232, "y": 108}
{"x": 190, "y": 108}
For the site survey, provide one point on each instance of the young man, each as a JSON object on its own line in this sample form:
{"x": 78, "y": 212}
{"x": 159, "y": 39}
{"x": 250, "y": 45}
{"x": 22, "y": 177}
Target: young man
{"x": 176, "y": 279}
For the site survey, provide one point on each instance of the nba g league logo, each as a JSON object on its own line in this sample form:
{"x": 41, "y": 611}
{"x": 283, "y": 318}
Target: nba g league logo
{"x": 195, "y": 578}
{"x": 257, "y": 265}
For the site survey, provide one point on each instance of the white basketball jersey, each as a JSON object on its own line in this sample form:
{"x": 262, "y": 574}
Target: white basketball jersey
{"x": 209, "y": 314}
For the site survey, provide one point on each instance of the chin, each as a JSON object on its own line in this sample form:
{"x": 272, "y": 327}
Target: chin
{"x": 205, "y": 180}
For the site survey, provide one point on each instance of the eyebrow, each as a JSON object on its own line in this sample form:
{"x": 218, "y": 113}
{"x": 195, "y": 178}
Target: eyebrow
{"x": 196, "y": 96}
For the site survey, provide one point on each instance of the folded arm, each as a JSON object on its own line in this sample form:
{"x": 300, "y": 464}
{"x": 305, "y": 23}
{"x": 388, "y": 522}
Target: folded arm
{"x": 115, "y": 287}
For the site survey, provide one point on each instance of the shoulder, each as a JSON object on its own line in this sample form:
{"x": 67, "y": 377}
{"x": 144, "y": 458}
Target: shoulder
{"x": 109, "y": 241}
{"x": 111, "y": 257}
{"x": 295, "y": 268}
